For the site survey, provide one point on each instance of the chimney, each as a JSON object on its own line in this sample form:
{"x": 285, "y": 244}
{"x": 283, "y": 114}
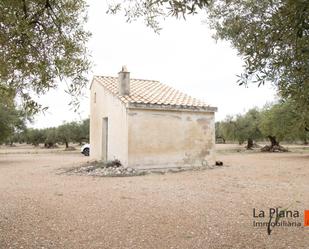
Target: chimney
{"x": 124, "y": 81}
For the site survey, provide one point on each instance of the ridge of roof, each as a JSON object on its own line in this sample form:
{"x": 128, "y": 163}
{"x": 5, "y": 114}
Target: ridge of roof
{"x": 116, "y": 78}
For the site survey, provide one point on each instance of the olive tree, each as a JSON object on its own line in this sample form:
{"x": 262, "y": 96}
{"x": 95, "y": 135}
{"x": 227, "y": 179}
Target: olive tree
{"x": 11, "y": 118}
{"x": 272, "y": 37}
{"x": 281, "y": 122}
{"x": 42, "y": 45}
{"x": 242, "y": 128}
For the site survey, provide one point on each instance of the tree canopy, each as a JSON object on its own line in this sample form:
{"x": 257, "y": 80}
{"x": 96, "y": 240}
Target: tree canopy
{"x": 152, "y": 10}
{"x": 42, "y": 42}
{"x": 241, "y": 128}
{"x": 77, "y": 132}
{"x": 281, "y": 122}
{"x": 276, "y": 122}
{"x": 11, "y": 118}
{"x": 272, "y": 37}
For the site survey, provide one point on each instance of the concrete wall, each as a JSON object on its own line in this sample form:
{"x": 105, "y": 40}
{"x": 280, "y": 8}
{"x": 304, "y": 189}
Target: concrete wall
{"x": 170, "y": 138}
{"x": 103, "y": 104}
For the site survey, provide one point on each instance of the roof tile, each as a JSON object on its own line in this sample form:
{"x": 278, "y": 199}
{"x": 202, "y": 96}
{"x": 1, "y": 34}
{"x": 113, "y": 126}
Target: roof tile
{"x": 150, "y": 92}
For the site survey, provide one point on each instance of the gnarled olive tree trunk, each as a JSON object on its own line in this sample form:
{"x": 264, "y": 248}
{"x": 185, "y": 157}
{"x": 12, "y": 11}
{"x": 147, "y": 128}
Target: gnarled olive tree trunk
{"x": 273, "y": 141}
{"x": 274, "y": 145}
{"x": 249, "y": 144}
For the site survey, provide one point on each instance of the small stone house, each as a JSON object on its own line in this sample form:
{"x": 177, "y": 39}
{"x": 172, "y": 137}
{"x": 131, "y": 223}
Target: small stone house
{"x": 147, "y": 124}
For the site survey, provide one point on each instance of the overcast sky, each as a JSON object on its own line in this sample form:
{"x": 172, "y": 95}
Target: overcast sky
{"x": 183, "y": 55}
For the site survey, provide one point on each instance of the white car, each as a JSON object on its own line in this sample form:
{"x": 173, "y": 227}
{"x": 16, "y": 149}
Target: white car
{"x": 85, "y": 149}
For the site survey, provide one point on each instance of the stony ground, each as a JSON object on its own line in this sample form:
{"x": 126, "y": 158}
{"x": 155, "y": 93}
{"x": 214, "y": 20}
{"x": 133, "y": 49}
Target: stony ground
{"x": 40, "y": 208}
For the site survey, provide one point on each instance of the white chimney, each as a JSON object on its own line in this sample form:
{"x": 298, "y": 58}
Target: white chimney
{"x": 124, "y": 81}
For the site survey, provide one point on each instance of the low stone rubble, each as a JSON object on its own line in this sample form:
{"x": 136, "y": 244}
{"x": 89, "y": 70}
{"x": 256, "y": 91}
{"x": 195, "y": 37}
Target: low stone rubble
{"x": 93, "y": 170}
{"x": 115, "y": 169}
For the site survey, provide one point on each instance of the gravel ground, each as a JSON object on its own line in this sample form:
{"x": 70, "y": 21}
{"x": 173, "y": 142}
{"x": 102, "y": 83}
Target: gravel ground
{"x": 40, "y": 208}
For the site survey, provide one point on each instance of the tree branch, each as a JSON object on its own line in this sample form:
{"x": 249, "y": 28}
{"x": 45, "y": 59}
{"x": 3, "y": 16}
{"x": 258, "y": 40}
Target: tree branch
{"x": 25, "y": 10}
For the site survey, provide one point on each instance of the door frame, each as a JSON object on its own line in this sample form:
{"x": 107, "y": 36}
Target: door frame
{"x": 104, "y": 151}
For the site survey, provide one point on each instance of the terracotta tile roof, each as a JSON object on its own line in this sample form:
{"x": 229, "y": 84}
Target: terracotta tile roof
{"x": 151, "y": 92}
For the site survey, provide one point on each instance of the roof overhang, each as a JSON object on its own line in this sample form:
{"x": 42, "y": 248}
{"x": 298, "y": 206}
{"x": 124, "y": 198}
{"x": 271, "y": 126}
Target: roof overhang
{"x": 158, "y": 107}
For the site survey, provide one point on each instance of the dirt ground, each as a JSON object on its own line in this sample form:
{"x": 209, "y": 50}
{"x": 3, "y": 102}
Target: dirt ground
{"x": 40, "y": 208}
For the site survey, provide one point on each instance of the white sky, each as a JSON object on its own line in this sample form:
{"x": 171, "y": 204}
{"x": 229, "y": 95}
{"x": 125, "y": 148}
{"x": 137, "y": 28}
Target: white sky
{"x": 184, "y": 56}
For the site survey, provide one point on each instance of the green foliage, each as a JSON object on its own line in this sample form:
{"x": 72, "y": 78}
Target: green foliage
{"x": 42, "y": 42}
{"x": 241, "y": 127}
{"x": 273, "y": 39}
{"x": 280, "y": 122}
{"x": 11, "y": 119}
{"x": 83, "y": 131}
{"x": 68, "y": 132}
{"x": 35, "y": 136}
{"x": 227, "y": 128}
{"x": 152, "y": 10}
{"x": 271, "y": 36}
{"x": 51, "y": 137}
{"x": 283, "y": 122}
{"x": 77, "y": 132}
{"x": 249, "y": 125}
